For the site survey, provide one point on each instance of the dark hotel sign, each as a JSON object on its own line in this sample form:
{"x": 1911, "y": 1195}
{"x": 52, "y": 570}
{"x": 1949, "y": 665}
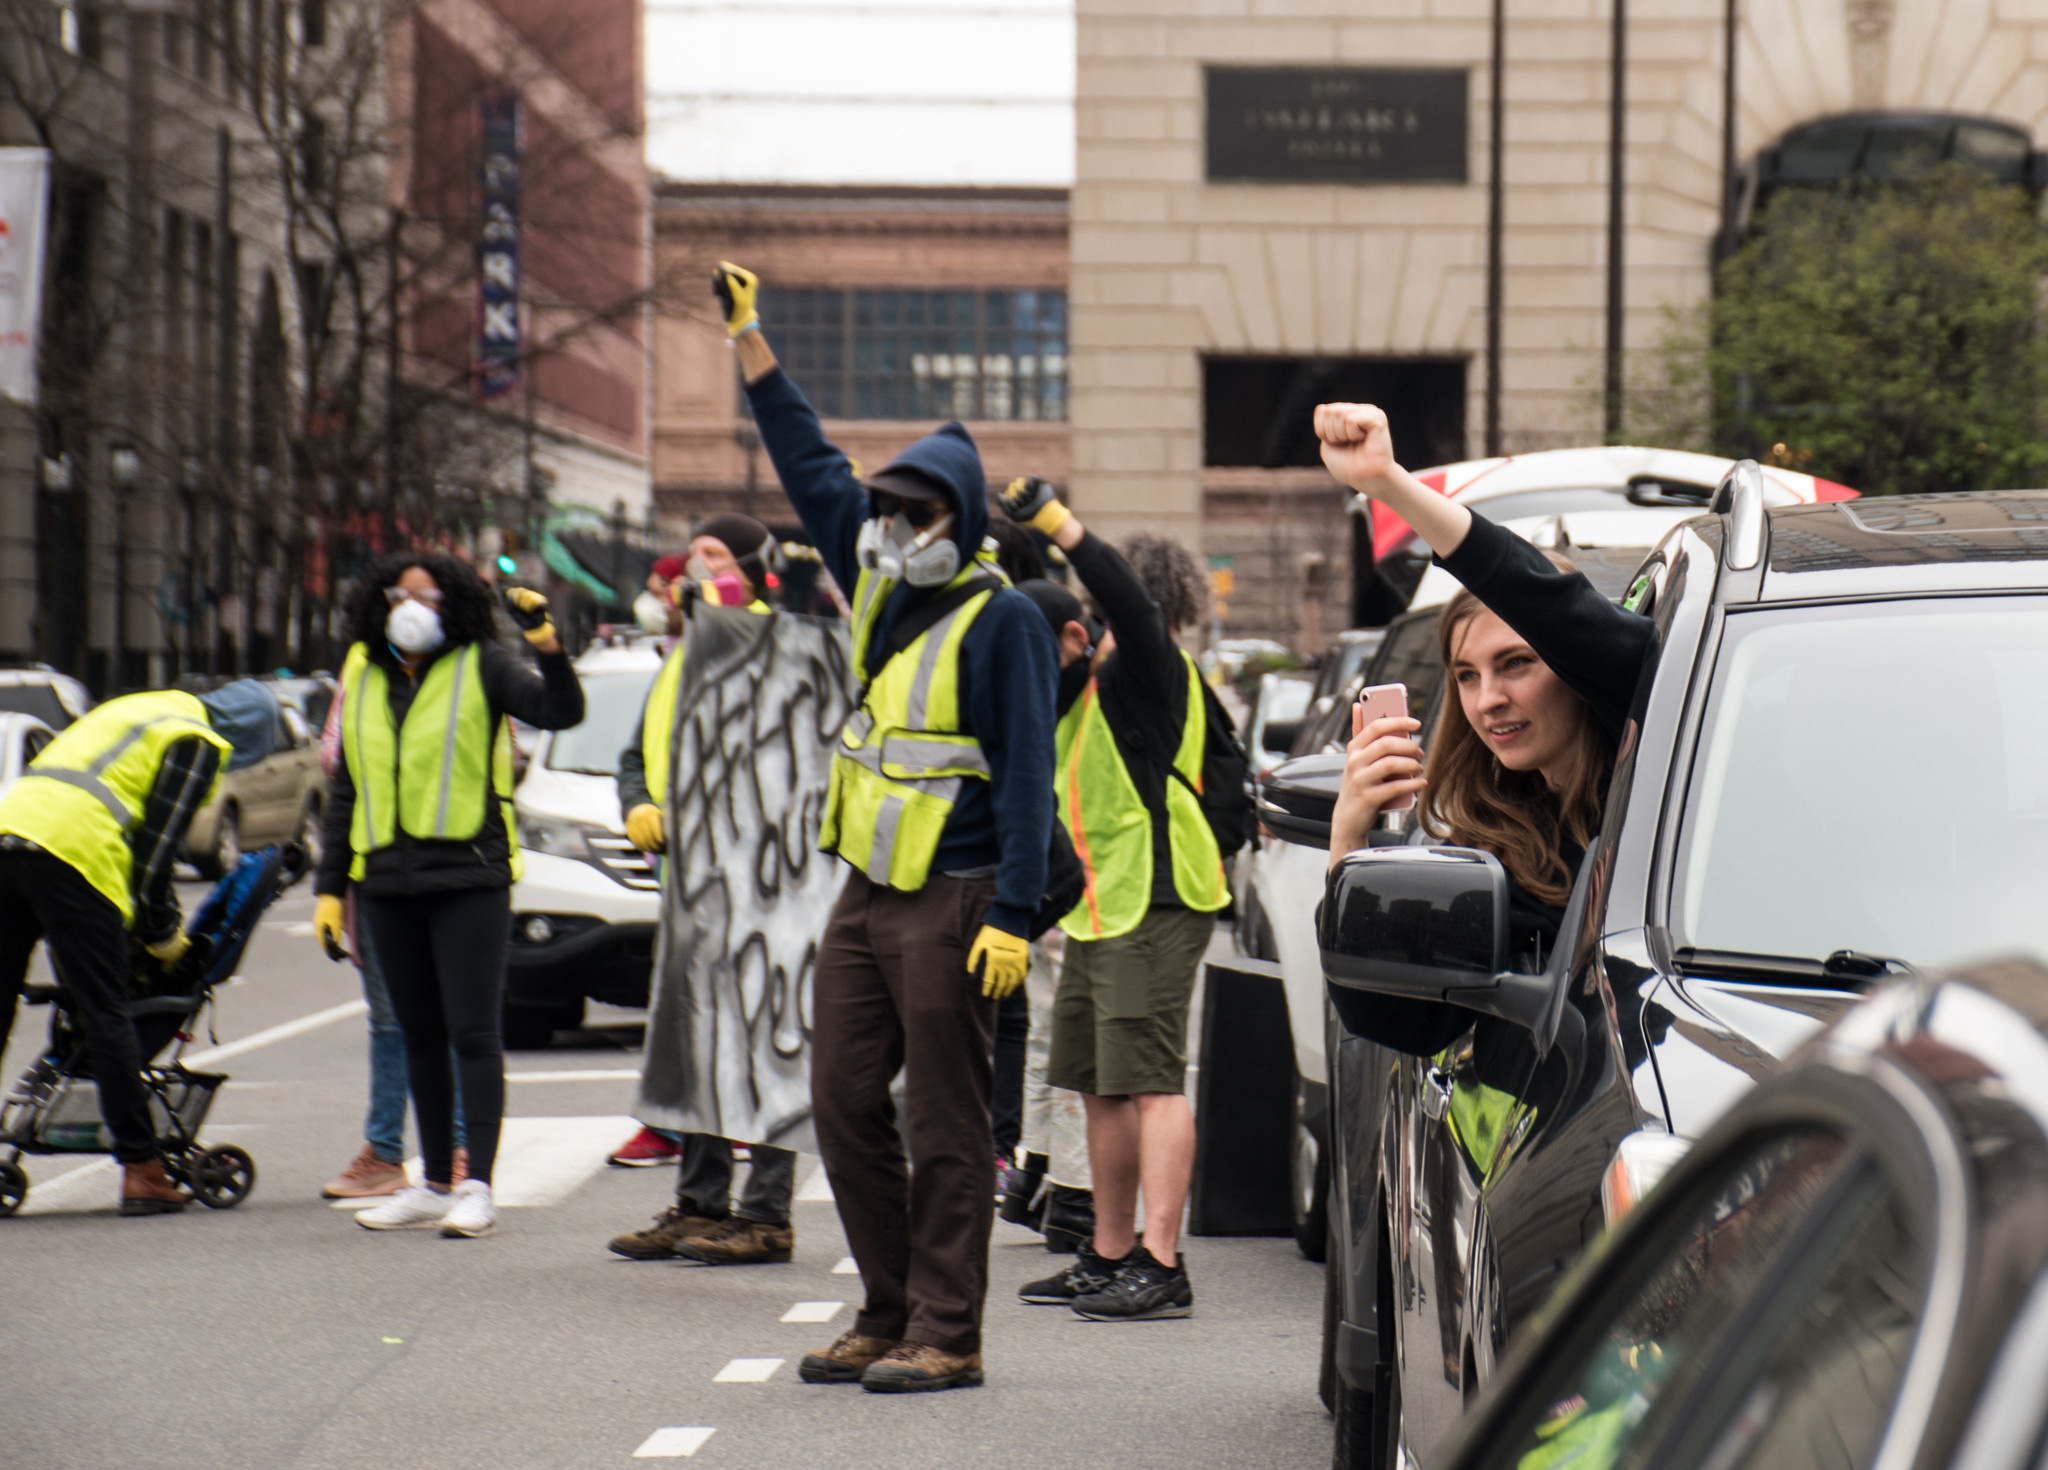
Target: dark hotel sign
{"x": 1348, "y": 124}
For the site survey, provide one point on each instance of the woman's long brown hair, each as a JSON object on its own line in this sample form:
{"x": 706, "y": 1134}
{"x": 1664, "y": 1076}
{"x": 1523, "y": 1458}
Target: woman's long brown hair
{"x": 1473, "y": 800}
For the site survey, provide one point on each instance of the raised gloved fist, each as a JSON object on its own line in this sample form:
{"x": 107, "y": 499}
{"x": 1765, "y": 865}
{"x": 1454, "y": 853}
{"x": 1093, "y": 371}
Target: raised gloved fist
{"x": 1008, "y": 960}
{"x": 1030, "y": 501}
{"x": 737, "y": 287}
{"x": 645, "y": 829}
{"x": 330, "y": 926}
{"x": 171, "y": 948}
{"x": 529, "y": 609}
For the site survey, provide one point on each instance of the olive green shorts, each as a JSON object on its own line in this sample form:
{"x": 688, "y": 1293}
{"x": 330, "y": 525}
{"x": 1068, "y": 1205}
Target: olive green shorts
{"x": 1120, "y": 1015}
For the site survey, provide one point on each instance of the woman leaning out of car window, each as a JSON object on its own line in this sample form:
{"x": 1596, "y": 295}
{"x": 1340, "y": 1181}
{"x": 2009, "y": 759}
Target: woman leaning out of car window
{"x": 1545, "y": 669}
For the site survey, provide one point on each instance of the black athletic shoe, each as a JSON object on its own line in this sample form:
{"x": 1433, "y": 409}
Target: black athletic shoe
{"x": 1089, "y": 1272}
{"x": 1142, "y": 1290}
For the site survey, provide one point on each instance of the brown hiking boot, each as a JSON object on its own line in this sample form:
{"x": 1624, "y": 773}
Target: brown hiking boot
{"x": 147, "y": 1190}
{"x": 845, "y": 1360}
{"x": 658, "y": 1241}
{"x": 737, "y": 1242}
{"x": 366, "y": 1177}
{"x": 911, "y": 1367}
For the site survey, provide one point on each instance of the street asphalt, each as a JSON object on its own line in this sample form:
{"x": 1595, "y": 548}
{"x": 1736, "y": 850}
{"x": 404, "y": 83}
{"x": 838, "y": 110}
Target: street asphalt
{"x": 279, "y": 1334}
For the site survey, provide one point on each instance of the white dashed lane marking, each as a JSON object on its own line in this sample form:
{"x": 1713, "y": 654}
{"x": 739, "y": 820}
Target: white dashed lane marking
{"x": 847, "y": 1267}
{"x": 673, "y": 1443}
{"x": 593, "y": 1074}
{"x": 813, "y": 1312}
{"x": 817, "y": 1189}
{"x": 748, "y": 1370}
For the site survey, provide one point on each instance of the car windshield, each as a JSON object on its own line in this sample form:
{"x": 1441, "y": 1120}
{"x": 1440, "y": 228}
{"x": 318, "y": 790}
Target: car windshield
{"x": 1287, "y": 700}
{"x": 1871, "y": 777}
{"x": 1521, "y": 505}
{"x": 39, "y": 700}
{"x": 611, "y": 708}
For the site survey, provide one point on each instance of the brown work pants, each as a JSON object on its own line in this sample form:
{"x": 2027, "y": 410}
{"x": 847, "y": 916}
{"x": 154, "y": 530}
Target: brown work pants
{"x": 892, "y": 993}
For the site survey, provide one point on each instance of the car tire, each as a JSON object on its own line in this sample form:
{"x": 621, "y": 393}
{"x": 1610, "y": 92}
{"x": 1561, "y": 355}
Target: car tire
{"x": 533, "y": 1028}
{"x": 227, "y": 846}
{"x": 1308, "y": 1178}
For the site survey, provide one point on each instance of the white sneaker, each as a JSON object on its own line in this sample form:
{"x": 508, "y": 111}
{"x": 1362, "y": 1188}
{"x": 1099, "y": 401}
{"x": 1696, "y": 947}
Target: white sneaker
{"x": 472, "y": 1214}
{"x": 409, "y": 1209}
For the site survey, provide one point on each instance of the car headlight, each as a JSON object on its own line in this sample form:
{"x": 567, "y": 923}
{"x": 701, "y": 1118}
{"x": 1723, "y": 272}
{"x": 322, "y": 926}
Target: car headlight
{"x": 558, "y": 839}
{"x": 1640, "y": 1161}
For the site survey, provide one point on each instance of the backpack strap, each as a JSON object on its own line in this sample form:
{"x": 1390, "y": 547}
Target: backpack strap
{"x": 920, "y": 620}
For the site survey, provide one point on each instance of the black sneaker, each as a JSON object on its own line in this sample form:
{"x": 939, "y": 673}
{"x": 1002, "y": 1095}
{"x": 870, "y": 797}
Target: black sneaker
{"x": 1142, "y": 1290}
{"x": 1089, "y": 1273}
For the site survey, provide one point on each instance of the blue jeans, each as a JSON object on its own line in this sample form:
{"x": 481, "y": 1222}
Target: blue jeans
{"x": 384, "y": 1125}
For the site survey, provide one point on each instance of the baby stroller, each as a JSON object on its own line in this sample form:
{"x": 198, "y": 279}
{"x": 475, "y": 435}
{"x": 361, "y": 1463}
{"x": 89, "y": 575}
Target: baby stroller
{"x": 54, "y": 1108}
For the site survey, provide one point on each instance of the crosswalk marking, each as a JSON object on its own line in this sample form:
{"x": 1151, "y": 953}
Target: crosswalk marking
{"x": 813, "y": 1312}
{"x": 673, "y": 1443}
{"x": 748, "y": 1370}
{"x": 817, "y": 1189}
{"x": 590, "y": 1074}
{"x": 847, "y": 1267}
{"x": 541, "y": 1161}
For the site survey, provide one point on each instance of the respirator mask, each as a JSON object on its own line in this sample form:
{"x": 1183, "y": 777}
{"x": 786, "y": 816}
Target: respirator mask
{"x": 908, "y": 540}
{"x": 413, "y": 627}
{"x": 650, "y": 613}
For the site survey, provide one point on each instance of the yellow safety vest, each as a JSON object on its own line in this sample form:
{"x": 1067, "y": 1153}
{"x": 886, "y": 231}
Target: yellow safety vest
{"x": 1112, "y": 829}
{"x": 658, "y": 714}
{"x": 82, "y": 798}
{"x": 434, "y": 776}
{"x": 902, "y": 756}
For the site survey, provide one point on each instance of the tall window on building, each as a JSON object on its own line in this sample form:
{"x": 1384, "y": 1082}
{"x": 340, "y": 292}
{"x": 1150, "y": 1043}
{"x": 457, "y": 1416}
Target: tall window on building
{"x": 924, "y": 354}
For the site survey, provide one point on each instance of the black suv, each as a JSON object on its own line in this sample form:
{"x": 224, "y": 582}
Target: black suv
{"x": 1836, "y": 773}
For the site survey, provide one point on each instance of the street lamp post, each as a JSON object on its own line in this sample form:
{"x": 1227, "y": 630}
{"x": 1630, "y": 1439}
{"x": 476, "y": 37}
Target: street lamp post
{"x": 124, "y": 470}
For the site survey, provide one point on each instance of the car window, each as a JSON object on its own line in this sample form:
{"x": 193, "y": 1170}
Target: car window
{"x": 1822, "y": 722}
{"x": 1773, "y": 1329}
{"x": 611, "y": 710}
{"x": 40, "y": 700}
{"x": 34, "y": 743}
{"x": 1410, "y": 656}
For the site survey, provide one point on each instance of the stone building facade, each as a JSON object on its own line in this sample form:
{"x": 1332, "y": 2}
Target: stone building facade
{"x": 1205, "y": 294}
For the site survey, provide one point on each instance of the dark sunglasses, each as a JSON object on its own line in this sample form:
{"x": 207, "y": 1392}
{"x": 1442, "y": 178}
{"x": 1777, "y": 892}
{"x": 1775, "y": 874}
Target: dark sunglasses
{"x": 920, "y": 513}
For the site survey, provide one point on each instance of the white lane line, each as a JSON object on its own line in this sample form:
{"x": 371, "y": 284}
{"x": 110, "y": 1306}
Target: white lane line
{"x": 276, "y": 1034}
{"x": 813, "y": 1312}
{"x": 817, "y": 1189}
{"x": 541, "y": 1161}
{"x": 748, "y": 1370}
{"x": 592, "y": 1075}
{"x": 40, "y": 1192}
{"x": 296, "y": 928}
{"x": 847, "y": 1267}
{"x": 673, "y": 1444}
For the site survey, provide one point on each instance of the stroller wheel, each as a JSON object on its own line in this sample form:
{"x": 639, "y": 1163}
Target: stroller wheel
{"x": 222, "y": 1177}
{"x": 13, "y": 1188}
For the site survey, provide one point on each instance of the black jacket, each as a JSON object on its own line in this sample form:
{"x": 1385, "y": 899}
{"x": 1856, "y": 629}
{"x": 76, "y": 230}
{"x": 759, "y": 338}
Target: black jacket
{"x": 411, "y": 866}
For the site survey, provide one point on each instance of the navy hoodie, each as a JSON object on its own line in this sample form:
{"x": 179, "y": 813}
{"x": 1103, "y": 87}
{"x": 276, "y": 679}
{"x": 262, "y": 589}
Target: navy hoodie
{"x": 1009, "y": 664}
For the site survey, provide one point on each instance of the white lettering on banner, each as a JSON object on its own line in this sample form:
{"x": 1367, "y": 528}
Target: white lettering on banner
{"x": 24, "y": 228}
{"x": 501, "y": 269}
{"x": 501, "y": 321}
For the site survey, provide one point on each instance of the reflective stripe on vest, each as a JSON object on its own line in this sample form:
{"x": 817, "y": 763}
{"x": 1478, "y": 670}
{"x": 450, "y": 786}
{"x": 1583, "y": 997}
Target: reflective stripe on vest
{"x": 434, "y": 776}
{"x": 901, "y": 759}
{"x": 658, "y": 715}
{"x": 1112, "y": 830}
{"x": 82, "y": 798}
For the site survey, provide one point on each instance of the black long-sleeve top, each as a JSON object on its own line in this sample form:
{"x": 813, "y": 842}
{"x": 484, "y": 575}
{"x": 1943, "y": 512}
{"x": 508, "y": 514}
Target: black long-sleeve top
{"x": 182, "y": 781}
{"x": 410, "y": 866}
{"x": 1143, "y": 683}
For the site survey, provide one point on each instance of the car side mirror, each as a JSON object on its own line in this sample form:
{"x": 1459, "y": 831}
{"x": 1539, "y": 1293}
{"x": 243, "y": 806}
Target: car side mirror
{"x": 1295, "y": 799}
{"x": 1429, "y": 924}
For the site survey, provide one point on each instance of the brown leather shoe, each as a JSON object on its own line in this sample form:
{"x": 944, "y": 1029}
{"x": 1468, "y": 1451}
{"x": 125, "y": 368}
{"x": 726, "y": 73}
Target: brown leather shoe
{"x": 658, "y": 1241}
{"x": 146, "y": 1189}
{"x": 737, "y": 1242}
{"x": 912, "y": 1367}
{"x": 366, "y": 1177}
{"x": 845, "y": 1360}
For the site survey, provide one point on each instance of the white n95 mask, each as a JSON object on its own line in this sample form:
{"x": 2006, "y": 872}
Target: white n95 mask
{"x": 895, "y": 549}
{"x": 650, "y": 613}
{"x": 413, "y": 627}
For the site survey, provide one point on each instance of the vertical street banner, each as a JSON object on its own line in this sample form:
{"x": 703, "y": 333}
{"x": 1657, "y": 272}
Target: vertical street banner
{"x": 497, "y": 251}
{"x": 745, "y": 891}
{"x": 24, "y": 227}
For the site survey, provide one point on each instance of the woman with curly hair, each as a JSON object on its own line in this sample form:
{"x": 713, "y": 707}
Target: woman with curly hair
{"x": 419, "y": 823}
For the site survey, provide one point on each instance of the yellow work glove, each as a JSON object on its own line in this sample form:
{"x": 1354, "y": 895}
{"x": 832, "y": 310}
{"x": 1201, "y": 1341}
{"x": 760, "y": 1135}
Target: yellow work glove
{"x": 171, "y": 948}
{"x": 1029, "y": 501}
{"x": 330, "y": 927}
{"x": 1009, "y": 959}
{"x": 530, "y": 611}
{"x": 644, "y": 828}
{"x": 737, "y": 287}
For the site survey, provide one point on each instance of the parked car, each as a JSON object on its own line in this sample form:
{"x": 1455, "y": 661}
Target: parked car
{"x": 1276, "y": 717}
{"x": 585, "y": 909}
{"x": 1848, "y": 1270}
{"x": 55, "y": 699}
{"x": 1763, "y": 861}
{"x": 312, "y": 695}
{"x": 279, "y": 799}
{"x": 22, "y": 738}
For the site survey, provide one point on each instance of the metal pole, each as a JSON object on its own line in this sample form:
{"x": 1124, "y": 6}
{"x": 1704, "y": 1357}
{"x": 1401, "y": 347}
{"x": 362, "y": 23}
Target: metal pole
{"x": 1617, "y": 139}
{"x": 1495, "y": 212}
{"x": 391, "y": 317}
{"x": 1730, "y": 25}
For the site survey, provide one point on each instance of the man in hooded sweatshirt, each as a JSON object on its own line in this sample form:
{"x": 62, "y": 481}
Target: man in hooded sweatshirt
{"x": 940, "y": 800}
{"x": 88, "y": 837}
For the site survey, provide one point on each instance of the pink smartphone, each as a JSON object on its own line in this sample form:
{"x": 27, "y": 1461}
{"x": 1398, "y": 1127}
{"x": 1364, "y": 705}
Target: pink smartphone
{"x": 1386, "y": 701}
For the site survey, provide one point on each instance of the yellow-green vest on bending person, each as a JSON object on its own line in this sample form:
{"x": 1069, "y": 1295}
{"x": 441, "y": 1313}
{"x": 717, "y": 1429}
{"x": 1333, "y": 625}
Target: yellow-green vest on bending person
{"x": 435, "y": 776}
{"x": 658, "y": 714}
{"x": 901, "y": 758}
{"x": 1112, "y": 829}
{"x": 82, "y": 798}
